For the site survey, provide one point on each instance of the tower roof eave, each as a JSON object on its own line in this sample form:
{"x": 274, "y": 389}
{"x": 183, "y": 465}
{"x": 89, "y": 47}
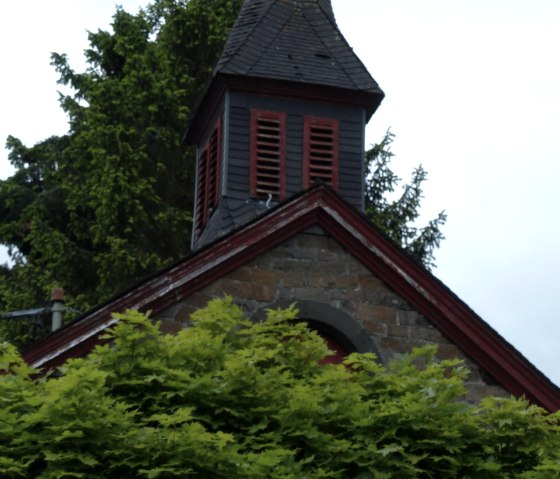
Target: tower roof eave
{"x": 293, "y": 41}
{"x": 369, "y": 100}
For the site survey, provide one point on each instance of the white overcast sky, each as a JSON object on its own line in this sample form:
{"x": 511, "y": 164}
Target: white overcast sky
{"x": 472, "y": 93}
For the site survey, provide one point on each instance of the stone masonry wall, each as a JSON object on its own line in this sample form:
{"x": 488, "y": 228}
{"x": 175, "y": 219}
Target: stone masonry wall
{"x": 313, "y": 267}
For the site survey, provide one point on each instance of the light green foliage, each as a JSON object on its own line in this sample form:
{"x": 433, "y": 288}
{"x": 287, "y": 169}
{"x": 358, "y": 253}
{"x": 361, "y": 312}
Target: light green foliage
{"x": 228, "y": 398}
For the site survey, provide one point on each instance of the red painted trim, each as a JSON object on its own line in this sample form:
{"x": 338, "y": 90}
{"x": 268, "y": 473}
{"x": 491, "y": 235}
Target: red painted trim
{"x": 253, "y": 154}
{"x": 207, "y": 179}
{"x": 331, "y": 177}
{"x": 320, "y": 206}
{"x": 201, "y": 189}
{"x": 219, "y": 158}
{"x": 256, "y": 148}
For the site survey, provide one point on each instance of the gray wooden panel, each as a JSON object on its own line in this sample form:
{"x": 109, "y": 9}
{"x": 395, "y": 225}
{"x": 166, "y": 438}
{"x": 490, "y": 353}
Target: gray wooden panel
{"x": 350, "y": 140}
{"x": 238, "y": 152}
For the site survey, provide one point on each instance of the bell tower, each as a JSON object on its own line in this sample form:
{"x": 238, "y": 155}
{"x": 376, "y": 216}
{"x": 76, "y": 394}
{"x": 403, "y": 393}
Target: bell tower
{"x": 286, "y": 107}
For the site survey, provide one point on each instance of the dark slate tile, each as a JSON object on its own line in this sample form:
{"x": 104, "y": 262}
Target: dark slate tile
{"x": 286, "y": 39}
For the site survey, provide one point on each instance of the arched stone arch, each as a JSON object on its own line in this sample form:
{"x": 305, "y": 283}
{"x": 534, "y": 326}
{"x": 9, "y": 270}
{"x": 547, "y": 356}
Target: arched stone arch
{"x": 332, "y": 322}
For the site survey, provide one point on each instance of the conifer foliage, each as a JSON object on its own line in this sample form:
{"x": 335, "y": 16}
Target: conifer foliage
{"x": 229, "y": 398}
{"x": 398, "y": 217}
{"x": 98, "y": 209}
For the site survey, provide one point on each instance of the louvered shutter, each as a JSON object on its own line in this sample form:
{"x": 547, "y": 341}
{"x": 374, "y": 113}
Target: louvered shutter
{"x": 268, "y": 154}
{"x": 320, "y": 151}
{"x": 208, "y": 178}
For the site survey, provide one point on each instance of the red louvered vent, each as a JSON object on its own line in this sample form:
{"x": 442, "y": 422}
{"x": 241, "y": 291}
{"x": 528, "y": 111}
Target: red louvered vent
{"x": 208, "y": 177}
{"x": 213, "y": 168}
{"x": 321, "y": 145}
{"x": 268, "y": 154}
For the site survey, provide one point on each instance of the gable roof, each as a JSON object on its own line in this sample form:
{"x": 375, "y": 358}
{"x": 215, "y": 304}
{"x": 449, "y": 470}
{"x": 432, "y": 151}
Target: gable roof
{"x": 323, "y": 207}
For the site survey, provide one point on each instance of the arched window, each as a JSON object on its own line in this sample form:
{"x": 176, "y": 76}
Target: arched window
{"x": 336, "y": 341}
{"x": 343, "y": 333}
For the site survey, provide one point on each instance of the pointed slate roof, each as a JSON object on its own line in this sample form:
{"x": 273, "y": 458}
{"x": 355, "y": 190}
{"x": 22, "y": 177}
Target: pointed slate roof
{"x": 293, "y": 40}
{"x": 323, "y": 207}
{"x": 287, "y": 47}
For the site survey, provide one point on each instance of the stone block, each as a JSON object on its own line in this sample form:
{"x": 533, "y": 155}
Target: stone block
{"x": 377, "y": 328}
{"x": 397, "y": 331}
{"x": 410, "y": 318}
{"x": 448, "y": 351}
{"x": 331, "y": 257}
{"x": 313, "y": 242}
{"x": 316, "y": 280}
{"x": 298, "y": 252}
{"x": 242, "y": 274}
{"x": 264, "y": 276}
{"x": 253, "y": 291}
{"x": 391, "y": 347}
{"x": 349, "y": 282}
{"x": 370, "y": 282}
{"x": 385, "y": 314}
{"x": 338, "y": 294}
{"x": 288, "y": 279}
{"x": 426, "y": 333}
{"x": 364, "y": 312}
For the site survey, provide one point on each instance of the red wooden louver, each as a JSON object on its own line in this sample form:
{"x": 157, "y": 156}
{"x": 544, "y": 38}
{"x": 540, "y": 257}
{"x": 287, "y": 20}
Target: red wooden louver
{"x": 268, "y": 154}
{"x": 208, "y": 177}
{"x": 320, "y": 151}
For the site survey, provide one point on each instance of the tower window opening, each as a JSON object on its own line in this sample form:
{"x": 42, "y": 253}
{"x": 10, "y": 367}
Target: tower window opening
{"x": 268, "y": 154}
{"x": 321, "y": 151}
{"x": 208, "y": 185}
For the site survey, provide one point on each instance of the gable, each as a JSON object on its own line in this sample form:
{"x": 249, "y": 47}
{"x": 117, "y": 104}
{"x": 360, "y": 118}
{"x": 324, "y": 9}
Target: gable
{"x": 331, "y": 287}
{"x": 414, "y": 288}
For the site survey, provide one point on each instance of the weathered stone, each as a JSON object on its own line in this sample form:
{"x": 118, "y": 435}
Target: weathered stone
{"x": 313, "y": 267}
{"x": 428, "y": 333}
{"x": 384, "y": 313}
{"x": 398, "y": 331}
{"x": 242, "y": 274}
{"x": 378, "y": 328}
{"x": 411, "y": 318}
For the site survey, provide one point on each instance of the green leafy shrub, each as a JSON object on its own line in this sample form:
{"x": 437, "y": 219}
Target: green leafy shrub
{"x": 229, "y": 398}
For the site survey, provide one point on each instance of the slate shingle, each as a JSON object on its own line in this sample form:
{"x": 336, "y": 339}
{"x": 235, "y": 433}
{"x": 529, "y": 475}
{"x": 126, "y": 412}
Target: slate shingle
{"x": 293, "y": 40}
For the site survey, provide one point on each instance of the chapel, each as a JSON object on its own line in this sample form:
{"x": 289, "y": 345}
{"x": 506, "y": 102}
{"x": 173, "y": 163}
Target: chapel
{"x": 279, "y": 134}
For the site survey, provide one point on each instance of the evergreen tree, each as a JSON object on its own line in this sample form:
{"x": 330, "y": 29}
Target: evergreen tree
{"x": 397, "y": 218}
{"x": 97, "y": 209}
{"x": 111, "y": 201}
